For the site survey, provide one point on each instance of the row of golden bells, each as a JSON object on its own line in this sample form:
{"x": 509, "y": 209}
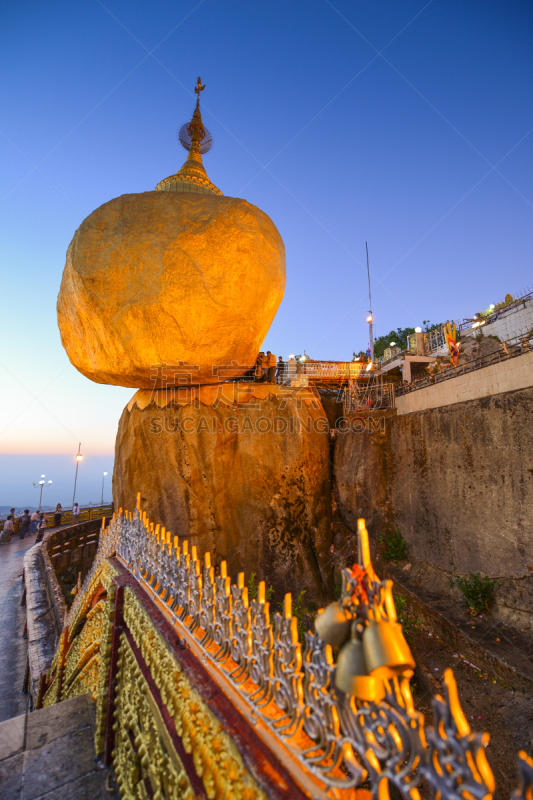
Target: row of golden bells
{"x": 367, "y": 656}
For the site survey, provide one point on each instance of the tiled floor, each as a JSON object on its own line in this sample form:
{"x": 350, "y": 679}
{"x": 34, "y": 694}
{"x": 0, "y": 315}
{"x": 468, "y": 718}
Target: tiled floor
{"x": 13, "y": 652}
{"x": 49, "y": 755}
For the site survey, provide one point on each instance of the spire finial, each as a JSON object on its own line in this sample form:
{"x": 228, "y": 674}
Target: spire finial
{"x": 199, "y": 88}
{"x": 197, "y": 140}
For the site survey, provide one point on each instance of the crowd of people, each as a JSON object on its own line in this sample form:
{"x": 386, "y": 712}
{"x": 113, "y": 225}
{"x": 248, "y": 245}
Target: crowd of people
{"x": 269, "y": 370}
{"x": 33, "y": 524}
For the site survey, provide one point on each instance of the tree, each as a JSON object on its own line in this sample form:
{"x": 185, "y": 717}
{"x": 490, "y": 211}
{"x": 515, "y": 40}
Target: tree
{"x": 400, "y": 337}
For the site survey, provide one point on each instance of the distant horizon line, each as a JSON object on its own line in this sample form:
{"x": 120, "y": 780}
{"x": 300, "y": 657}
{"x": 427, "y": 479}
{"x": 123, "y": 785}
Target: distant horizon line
{"x": 51, "y": 453}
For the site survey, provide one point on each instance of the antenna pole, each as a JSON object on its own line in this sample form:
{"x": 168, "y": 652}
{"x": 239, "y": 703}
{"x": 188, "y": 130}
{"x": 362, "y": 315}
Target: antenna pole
{"x": 370, "y": 316}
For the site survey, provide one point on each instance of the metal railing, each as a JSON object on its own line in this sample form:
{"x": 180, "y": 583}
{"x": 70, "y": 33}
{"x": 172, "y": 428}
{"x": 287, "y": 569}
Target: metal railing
{"x": 86, "y": 513}
{"x": 506, "y": 352}
{"x": 372, "y": 395}
{"x": 321, "y": 370}
{"x": 497, "y": 314}
{"x": 340, "y": 737}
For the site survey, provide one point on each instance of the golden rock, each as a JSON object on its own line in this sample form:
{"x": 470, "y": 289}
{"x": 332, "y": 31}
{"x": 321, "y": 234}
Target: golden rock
{"x": 167, "y": 277}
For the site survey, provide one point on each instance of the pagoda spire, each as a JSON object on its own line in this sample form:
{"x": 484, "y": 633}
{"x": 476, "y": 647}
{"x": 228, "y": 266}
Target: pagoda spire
{"x": 195, "y": 138}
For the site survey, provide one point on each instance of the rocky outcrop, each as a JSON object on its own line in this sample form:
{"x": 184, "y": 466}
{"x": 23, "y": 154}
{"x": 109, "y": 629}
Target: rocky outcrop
{"x": 241, "y": 471}
{"x": 159, "y": 279}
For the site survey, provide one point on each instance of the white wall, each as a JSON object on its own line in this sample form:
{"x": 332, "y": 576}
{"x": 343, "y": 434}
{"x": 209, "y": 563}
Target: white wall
{"x": 515, "y": 373}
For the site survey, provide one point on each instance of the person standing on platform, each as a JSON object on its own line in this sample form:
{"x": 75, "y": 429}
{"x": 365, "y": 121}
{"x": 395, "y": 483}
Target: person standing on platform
{"x": 15, "y": 521}
{"x": 75, "y": 514}
{"x": 34, "y": 523}
{"x": 25, "y": 521}
{"x": 58, "y": 513}
{"x": 264, "y": 366}
{"x": 8, "y": 530}
{"x": 280, "y": 369}
{"x": 271, "y": 364}
{"x": 259, "y": 371}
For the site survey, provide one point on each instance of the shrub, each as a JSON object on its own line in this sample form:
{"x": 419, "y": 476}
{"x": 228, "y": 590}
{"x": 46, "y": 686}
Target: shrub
{"x": 395, "y": 545}
{"x": 253, "y": 586}
{"x": 477, "y": 591}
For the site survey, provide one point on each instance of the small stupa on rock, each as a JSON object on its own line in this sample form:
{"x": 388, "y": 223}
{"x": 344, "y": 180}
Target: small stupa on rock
{"x": 177, "y": 276}
{"x": 195, "y": 138}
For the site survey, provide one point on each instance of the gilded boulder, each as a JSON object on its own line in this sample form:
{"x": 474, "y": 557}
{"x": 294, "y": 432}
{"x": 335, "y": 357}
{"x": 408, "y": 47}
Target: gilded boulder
{"x": 165, "y": 280}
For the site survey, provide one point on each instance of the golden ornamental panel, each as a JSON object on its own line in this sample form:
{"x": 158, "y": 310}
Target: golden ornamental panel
{"x": 216, "y": 758}
{"x": 144, "y": 753}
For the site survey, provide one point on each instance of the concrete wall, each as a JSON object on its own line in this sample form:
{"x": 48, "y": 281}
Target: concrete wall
{"x": 510, "y": 324}
{"x": 458, "y": 483}
{"x": 507, "y": 376}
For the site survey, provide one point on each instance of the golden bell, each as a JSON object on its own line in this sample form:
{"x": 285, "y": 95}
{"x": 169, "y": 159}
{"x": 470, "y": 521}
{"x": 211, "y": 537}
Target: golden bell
{"x": 386, "y": 652}
{"x": 333, "y": 625}
{"x": 351, "y": 674}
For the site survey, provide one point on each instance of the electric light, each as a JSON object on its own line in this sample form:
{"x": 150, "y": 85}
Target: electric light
{"x": 492, "y": 306}
{"x": 79, "y": 457}
{"x": 392, "y": 344}
{"x": 292, "y": 356}
{"x": 418, "y": 330}
{"x": 369, "y": 367}
{"x": 369, "y": 318}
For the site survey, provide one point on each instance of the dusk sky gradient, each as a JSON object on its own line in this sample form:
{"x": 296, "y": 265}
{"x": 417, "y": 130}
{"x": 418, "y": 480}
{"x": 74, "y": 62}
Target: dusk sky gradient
{"x": 409, "y": 125}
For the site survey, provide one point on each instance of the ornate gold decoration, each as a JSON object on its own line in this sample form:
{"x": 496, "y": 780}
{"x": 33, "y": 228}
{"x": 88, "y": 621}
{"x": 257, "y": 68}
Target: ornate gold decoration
{"x": 81, "y": 663}
{"x": 216, "y": 759}
{"x": 192, "y": 177}
{"x": 143, "y": 749}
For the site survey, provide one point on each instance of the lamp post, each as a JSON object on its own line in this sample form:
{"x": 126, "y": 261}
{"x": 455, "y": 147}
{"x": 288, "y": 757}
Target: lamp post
{"x": 42, "y": 483}
{"x": 79, "y": 458}
{"x": 103, "y": 479}
{"x": 370, "y": 318}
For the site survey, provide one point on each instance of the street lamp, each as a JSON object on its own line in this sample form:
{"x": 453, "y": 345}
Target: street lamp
{"x": 103, "y": 479}
{"x": 42, "y": 483}
{"x": 79, "y": 458}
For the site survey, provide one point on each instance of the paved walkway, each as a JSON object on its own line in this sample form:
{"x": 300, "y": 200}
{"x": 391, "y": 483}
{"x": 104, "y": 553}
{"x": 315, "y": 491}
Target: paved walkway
{"x": 49, "y": 755}
{"x": 13, "y": 649}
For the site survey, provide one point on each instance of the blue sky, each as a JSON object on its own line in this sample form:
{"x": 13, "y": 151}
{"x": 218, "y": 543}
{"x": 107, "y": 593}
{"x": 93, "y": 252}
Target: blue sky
{"x": 405, "y": 124}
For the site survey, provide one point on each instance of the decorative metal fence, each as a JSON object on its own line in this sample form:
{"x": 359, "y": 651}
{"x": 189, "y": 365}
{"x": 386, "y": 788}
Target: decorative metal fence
{"x": 321, "y": 370}
{"x": 343, "y": 720}
{"x": 372, "y": 394}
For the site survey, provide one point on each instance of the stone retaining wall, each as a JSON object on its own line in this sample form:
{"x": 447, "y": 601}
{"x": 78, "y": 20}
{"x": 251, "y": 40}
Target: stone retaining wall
{"x": 458, "y": 483}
